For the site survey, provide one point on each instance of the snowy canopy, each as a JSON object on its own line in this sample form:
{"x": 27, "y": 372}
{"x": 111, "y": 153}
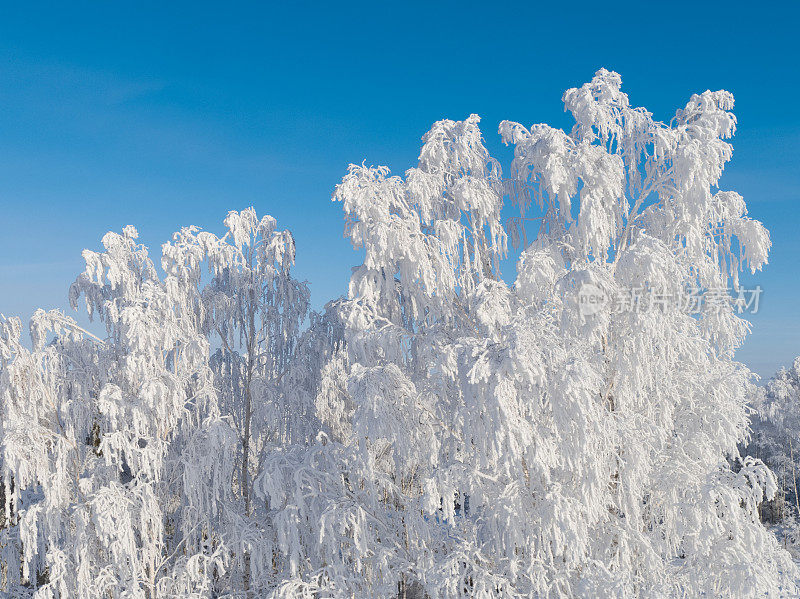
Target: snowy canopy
{"x": 439, "y": 430}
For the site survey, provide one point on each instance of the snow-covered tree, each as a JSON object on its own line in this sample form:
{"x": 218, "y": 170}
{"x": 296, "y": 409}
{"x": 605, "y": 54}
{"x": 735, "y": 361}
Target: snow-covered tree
{"x": 775, "y": 439}
{"x": 255, "y": 310}
{"x": 156, "y": 438}
{"x": 115, "y": 446}
{"x": 520, "y": 447}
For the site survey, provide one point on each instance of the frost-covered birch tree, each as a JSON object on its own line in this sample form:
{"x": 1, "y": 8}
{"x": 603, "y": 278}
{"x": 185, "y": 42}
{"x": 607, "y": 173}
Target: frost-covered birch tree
{"x": 520, "y": 447}
{"x": 114, "y": 444}
{"x": 775, "y": 439}
{"x": 254, "y": 310}
{"x": 137, "y": 479}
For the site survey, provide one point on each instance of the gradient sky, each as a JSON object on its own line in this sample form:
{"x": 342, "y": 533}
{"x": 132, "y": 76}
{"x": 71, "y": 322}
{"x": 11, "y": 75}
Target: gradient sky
{"x": 161, "y": 116}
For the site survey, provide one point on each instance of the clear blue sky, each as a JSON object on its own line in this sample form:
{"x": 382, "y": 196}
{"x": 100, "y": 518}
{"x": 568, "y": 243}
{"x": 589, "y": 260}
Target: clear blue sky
{"x": 160, "y": 116}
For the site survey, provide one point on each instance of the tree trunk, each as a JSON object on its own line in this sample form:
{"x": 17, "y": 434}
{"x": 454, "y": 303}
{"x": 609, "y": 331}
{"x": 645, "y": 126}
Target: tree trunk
{"x": 248, "y": 403}
{"x": 794, "y": 477}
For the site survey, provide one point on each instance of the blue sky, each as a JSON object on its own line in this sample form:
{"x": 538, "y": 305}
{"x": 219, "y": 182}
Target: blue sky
{"x": 163, "y": 116}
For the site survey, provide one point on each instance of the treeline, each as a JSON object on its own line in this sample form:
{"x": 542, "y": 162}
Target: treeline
{"x": 437, "y": 431}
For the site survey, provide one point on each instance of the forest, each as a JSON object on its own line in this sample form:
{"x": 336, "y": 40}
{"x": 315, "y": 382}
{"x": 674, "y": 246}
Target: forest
{"x": 579, "y": 427}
